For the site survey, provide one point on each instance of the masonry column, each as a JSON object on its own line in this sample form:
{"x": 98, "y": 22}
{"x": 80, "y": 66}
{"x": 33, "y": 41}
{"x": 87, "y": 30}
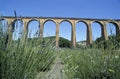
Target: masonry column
{"x": 104, "y": 32}
{"x": 73, "y": 36}
{"x": 10, "y": 25}
{"x": 118, "y": 30}
{"x": 25, "y": 28}
{"x": 89, "y": 34}
{"x": 57, "y": 34}
{"x": 10, "y": 28}
{"x": 41, "y": 28}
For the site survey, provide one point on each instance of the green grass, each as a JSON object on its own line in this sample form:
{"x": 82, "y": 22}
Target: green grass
{"x": 91, "y": 64}
{"x": 23, "y": 58}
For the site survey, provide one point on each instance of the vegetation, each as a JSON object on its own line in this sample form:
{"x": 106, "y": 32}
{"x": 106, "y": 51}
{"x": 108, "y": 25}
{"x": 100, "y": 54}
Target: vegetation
{"x": 112, "y": 43}
{"x": 27, "y": 58}
{"x": 91, "y": 64}
{"x": 63, "y": 43}
{"x": 101, "y": 61}
{"x": 23, "y": 59}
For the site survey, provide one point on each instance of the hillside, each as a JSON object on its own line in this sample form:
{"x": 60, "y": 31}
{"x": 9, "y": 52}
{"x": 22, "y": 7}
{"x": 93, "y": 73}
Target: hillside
{"x": 62, "y": 41}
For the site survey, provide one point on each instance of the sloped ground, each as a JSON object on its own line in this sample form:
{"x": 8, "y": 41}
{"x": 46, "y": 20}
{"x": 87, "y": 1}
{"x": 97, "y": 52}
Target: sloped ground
{"x": 56, "y": 71}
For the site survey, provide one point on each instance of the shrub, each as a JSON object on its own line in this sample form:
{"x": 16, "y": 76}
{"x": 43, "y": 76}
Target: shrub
{"x": 64, "y": 43}
{"x": 112, "y": 43}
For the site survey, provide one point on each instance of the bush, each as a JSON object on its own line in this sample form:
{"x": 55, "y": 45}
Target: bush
{"x": 112, "y": 43}
{"x": 64, "y": 43}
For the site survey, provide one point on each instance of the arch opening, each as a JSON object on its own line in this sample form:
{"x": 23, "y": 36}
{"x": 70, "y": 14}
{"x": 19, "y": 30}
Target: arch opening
{"x": 33, "y": 29}
{"x": 81, "y": 33}
{"x": 112, "y": 29}
{"x": 96, "y": 30}
{"x": 49, "y": 29}
{"x": 65, "y": 30}
{"x": 17, "y": 29}
{"x": 3, "y": 26}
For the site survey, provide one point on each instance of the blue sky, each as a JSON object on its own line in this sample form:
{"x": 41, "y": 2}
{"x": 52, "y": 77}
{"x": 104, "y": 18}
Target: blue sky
{"x": 64, "y": 8}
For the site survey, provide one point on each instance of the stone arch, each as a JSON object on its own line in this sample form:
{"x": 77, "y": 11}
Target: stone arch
{"x": 115, "y": 27}
{"x": 83, "y": 22}
{"x": 65, "y": 31}
{"x": 14, "y": 21}
{"x": 96, "y": 32}
{"x": 31, "y": 21}
{"x": 17, "y": 20}
{"x": 51, "y": 30}
{"x": 3, "y": 19}
{"x": 17, "y": 29}
{"x": 99, "y": 22}
{"x": 66, "y": 21}
{"x": 82, "y": 32}
{"x": 3, "y": 25}
{"x": 33, "y": 27}
{"x": 49, "y": 20}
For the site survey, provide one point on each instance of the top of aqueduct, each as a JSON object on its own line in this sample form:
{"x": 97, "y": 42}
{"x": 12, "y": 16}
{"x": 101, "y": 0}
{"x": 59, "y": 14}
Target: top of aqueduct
{"x": 70, "y": 18}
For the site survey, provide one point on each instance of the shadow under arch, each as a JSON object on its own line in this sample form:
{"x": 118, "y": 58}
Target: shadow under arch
{"x": 33, "y": 28}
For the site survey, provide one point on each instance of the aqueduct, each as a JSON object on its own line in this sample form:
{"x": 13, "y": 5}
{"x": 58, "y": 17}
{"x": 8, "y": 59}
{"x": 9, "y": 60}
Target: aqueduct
{"x": 57, "y": 20}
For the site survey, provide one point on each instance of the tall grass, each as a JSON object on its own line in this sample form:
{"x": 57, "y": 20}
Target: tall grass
{"x": 23, "y": 59}
{"x": 91, "y": 64}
